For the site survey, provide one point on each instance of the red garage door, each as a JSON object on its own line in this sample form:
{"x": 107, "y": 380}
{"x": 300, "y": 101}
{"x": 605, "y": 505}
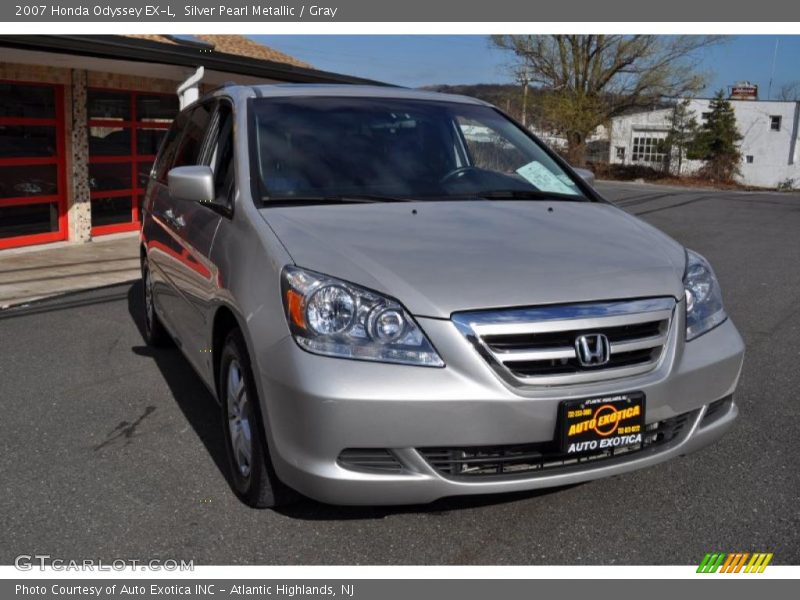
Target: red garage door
{"x": 33, "y": 202}
{"x": 125, "y": 131}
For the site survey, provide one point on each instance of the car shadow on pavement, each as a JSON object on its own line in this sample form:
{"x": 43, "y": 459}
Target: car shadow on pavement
{"x": 192, "y": 397}
{"x": 202, "y": 412}
{"x": 310, "y": 510}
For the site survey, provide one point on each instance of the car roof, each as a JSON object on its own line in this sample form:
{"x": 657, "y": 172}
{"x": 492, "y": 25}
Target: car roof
{"x": 278, "y": 90}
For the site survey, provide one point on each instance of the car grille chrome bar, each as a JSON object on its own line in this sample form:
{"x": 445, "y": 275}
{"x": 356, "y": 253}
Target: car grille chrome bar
{"x": 539, "y": 346}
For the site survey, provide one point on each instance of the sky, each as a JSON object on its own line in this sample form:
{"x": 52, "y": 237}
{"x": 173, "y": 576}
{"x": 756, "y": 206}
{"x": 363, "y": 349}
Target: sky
{"x": 419, "y": 60}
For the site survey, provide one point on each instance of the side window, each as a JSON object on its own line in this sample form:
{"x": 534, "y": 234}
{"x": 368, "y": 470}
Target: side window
{"x": 166, "y": 154}
{"x": 191, "y": 142}
{"x": 221, "y": 159}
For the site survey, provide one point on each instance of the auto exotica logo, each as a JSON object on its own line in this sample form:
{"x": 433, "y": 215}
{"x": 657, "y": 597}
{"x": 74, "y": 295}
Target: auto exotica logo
{"x": 605, "y": 421}
{"x": 734, "y": 562}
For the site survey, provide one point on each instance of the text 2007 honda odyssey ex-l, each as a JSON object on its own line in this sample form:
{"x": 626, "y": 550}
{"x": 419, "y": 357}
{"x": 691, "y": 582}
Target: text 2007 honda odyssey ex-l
{"x": 398, "y": 296}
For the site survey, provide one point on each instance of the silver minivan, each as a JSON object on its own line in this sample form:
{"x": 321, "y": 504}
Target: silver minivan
{"x": 399, "y": 295}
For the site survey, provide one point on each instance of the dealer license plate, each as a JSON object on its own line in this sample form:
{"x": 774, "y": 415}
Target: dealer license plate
{"x": 601, "y": 423}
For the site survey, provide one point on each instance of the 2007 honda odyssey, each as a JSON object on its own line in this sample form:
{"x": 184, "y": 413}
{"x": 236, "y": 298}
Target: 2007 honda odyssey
{"x": 398, "y": 296}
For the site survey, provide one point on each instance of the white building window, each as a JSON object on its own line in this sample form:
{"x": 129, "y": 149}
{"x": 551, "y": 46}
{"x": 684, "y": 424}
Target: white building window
{"x": 649, "y": 149}
{"x": 621, "y": 152}
{"x": 749, "y": 159}
{"x": 775, "y": 123}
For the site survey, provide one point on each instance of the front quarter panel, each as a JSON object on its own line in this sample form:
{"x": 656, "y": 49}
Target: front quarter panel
{"x": 248, "y": 259}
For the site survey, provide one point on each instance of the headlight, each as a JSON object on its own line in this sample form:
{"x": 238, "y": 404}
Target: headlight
{"x": 704, "y": 309}
{"x": 335, "y": 318}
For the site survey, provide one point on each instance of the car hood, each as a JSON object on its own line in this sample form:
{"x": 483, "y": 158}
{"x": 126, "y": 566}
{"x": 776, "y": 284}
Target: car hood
{"x": 446, "y": 256}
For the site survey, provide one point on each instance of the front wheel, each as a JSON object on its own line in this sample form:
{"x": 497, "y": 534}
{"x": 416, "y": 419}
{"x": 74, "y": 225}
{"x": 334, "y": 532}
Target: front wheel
{"x": 254, "y": 477}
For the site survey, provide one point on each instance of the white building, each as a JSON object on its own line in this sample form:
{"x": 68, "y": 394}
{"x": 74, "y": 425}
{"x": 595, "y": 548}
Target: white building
{"x": 596, "y": 143}
{"x": 770, "y": 146}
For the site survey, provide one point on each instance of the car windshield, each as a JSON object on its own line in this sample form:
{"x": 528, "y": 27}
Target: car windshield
{"x": 386, "y": 148}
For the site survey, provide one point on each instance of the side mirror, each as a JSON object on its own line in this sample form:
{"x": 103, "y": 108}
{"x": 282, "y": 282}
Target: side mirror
{"x": 194, "y": 183}
{"x": 586, "y": 175}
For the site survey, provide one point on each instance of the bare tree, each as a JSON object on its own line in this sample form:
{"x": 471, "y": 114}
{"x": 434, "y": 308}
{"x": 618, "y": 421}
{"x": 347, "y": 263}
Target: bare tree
{"x": 790, "y": 91}
{"x": 592, "y": 78}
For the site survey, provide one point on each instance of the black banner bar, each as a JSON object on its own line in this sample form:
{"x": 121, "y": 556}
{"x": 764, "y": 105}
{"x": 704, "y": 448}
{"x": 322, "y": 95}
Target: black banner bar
{"x": 254, "y": 11}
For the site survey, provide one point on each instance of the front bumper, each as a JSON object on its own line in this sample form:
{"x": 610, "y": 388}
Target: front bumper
{"x": 318, "y": 406}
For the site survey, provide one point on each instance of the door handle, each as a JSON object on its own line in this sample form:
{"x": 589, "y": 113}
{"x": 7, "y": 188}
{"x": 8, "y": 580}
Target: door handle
{"x": 177, "y": 221}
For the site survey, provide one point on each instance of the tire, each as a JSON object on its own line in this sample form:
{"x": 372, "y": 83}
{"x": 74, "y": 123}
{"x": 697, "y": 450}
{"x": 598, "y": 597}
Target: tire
{"x": 154, "y": 332}
{"x": 253, "y": 476}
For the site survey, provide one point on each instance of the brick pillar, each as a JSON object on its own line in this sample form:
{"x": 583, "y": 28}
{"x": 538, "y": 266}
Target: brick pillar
{"x": 80, "y": 210}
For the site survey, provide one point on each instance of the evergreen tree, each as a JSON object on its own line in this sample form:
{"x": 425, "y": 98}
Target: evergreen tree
{"x": 717, "y": 142}
{"x": 681, "y": 135}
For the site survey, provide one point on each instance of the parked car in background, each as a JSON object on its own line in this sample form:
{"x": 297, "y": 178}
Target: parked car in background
{"x": 399, "y": 295}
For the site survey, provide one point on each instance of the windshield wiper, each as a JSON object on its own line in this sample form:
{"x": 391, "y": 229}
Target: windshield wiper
{"x": 333, "y": 199}
{"x": 527, "y": 195}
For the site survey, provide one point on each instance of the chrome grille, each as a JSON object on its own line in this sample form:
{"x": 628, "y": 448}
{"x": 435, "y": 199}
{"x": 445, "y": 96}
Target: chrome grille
{"x": 538, "y": 346}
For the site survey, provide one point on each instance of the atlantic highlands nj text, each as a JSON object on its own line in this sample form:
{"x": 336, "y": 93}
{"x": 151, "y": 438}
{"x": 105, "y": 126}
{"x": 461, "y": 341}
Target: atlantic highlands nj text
{"x": 219, "y": 12}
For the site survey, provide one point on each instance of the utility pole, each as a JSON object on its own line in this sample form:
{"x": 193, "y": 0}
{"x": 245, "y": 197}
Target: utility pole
{"x": 772, "y": 74}
{"x": 524, "y": 76}
{"x": 525, "y": 99}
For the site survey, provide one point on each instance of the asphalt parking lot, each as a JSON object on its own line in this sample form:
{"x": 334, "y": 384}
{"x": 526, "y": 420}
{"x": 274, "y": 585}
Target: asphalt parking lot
{"x": 113, "y": 450}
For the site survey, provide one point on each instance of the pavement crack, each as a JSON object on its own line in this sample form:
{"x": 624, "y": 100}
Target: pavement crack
{"x": 125, "y": 430}
{"x": 114, "y": 344}
{"x": 637, "y": 200}
{"x": 671, "y": 206}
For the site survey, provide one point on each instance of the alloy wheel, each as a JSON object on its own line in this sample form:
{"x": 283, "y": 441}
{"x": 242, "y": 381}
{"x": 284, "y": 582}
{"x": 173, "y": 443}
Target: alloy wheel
{"x": 239, "y": 418}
